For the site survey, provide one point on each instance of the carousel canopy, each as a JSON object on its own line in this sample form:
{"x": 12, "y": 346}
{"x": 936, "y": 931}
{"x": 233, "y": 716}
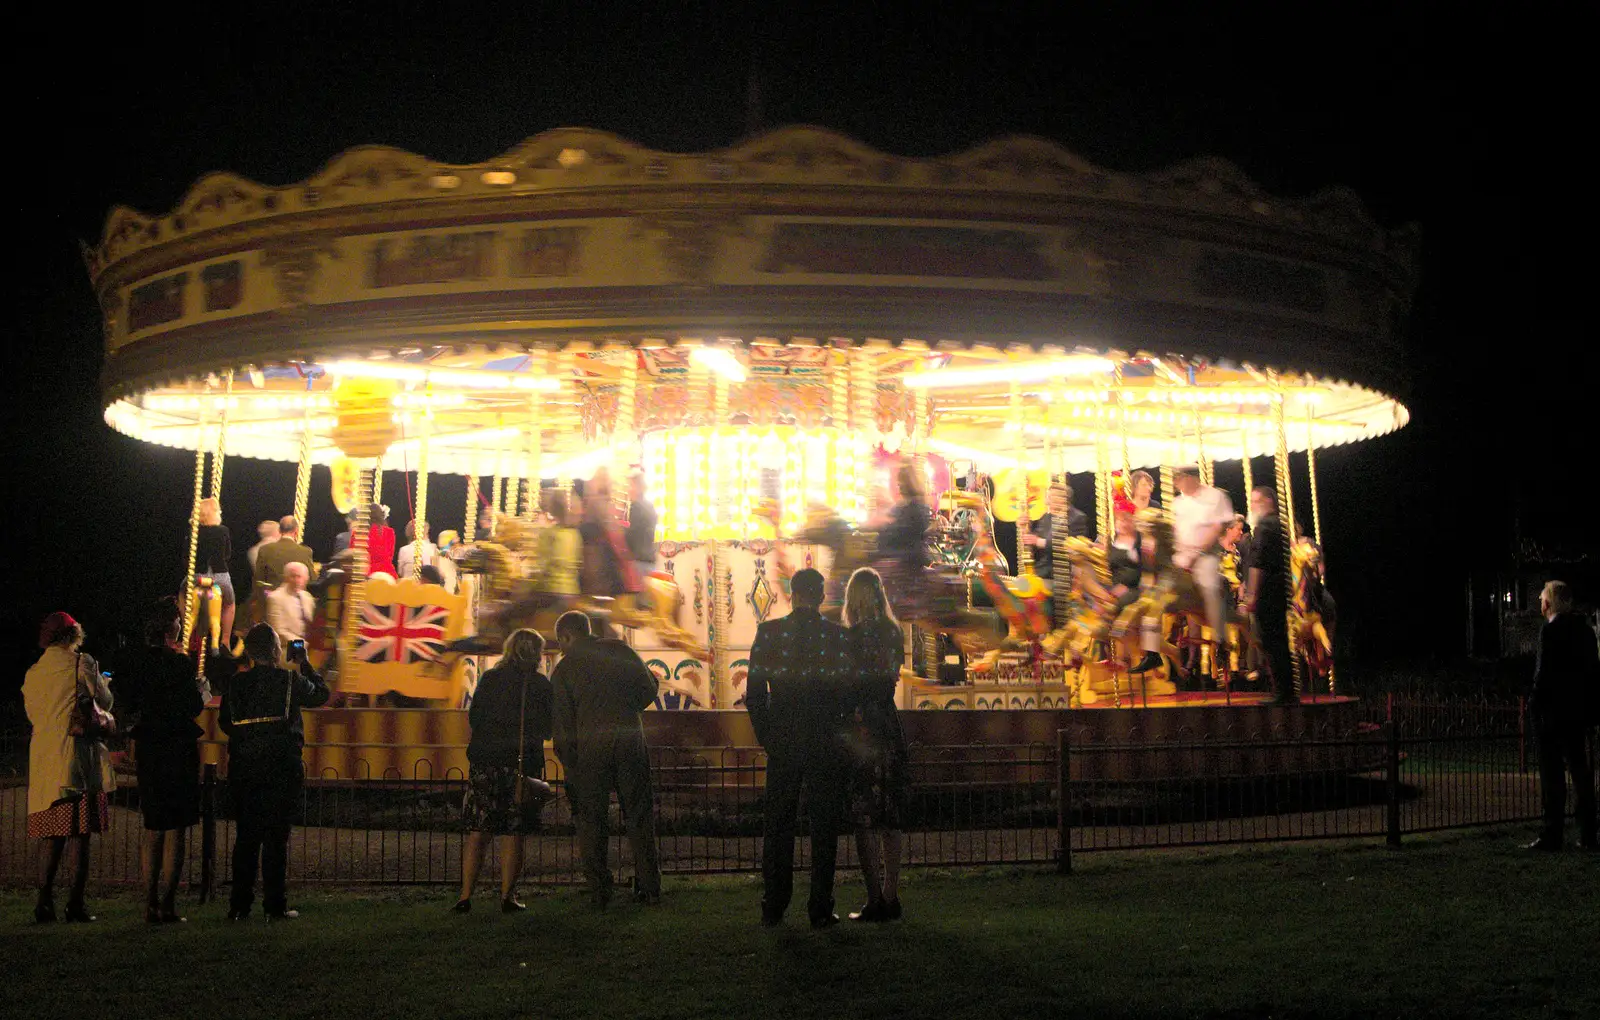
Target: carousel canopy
{"x": 1008, "y": 302}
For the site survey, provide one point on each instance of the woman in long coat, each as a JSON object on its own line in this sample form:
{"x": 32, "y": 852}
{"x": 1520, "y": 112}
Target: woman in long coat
{"x": 68, "y": 777}
{"x": 158, "y": 686}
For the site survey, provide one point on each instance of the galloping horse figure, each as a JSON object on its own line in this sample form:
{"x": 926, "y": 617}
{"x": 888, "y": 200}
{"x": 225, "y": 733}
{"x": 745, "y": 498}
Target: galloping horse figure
{"x": 513, "y": 595}
{"x": 1308, "y": 637}
{"x": 975, "y": 631}
{"x": 1090, "y": 605}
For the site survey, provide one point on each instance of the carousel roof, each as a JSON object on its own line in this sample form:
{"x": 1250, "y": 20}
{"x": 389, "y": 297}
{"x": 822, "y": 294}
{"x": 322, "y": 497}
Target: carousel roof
{"x": 1169, "y": 309}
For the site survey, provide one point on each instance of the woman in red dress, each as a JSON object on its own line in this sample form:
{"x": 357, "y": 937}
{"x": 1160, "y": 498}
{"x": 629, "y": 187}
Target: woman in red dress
{"x": 380, "y": 542}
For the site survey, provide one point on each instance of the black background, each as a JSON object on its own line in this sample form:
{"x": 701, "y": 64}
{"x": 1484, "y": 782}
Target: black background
{"x": 1470, "y": 126}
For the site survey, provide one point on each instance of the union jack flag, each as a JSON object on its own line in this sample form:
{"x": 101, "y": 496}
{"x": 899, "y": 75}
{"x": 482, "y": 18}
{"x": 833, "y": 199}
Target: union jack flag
{"x": 402, "y": 633}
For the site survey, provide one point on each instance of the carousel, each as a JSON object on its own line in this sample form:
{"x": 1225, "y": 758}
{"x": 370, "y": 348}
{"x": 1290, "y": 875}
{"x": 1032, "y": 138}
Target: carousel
{"x": 781, "y": 342}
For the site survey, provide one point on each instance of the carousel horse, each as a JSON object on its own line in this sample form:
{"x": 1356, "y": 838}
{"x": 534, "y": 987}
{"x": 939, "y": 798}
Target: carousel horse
{"x": 1308, "y": 637}
{"x": 1090, "y": 604}
{"x": 514, "y": 596}
{"x": 1172, "y": 592}
{"x": 205, "y": 604}
{"x": 1023, "y": 601}
{"x": 941, "y": 608}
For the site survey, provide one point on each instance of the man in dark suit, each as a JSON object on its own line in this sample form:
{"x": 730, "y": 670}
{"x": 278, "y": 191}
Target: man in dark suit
{"x": 1267, "y": 593}
{"x": 796, "y": 695}
{"x": 601, "y": 686}
{"x": 1566, "y": 690}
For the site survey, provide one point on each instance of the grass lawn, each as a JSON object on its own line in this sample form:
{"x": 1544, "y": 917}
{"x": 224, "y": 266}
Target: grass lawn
{"x": 1448, "y": 926}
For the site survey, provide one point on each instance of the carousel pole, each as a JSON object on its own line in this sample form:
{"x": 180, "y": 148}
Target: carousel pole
{"x": 469, "y": 525}
{"x": 839, "y": 412}
{"x": 1244, "y": 459}
{"x": 1024, "y": 554}
{"x": 1285, "y": 487}
{"x": 863, "y": 425}
{"x": 625, "y": 427}
{"x": 1316, "y": 509}
{"x": 1122, "y": 424}
{"x": 1104, "y": 514}
{"x": 497, "y": 487}
{"x": 721, "y": 590}
{"x": 1311, "y": 468}
{"x": 355, "y": 589}
{"x": 302, "y": 476}
{"x": 533, "y": 469}
{"x": 190, "y": 594}
{"x": 222, "y": 439}
{"x": 421, "y": 521}
{"x": 929, "y": 638}
{"x": 377, "y": 479}
{"x": 1204, "y": 462}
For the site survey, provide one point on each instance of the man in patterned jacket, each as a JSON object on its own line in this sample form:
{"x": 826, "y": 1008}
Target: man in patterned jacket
{"x": 796, "y": 695}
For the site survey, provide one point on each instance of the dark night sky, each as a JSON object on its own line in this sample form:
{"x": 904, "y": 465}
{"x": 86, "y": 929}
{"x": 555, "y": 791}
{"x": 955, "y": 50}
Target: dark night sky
{"x": 1468, "y": 129}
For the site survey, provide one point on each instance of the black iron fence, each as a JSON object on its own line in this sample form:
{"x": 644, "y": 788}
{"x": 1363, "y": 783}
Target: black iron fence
{"x": 1412, "y": 767}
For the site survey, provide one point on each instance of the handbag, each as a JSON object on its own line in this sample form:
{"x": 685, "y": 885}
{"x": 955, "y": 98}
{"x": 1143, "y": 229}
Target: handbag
{"x": 88, "y": 720}
{"x": 532, "y": 793}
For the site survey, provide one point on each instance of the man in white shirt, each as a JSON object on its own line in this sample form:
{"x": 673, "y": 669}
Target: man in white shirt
{"x": 266, "y": 531}
{"x": 406, "y": 559}
{"x": 1198, "y": 516}
{"x": 290, "y": 608}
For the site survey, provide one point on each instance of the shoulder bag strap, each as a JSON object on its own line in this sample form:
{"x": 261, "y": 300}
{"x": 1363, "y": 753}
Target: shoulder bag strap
{"x": 522, "y": 727}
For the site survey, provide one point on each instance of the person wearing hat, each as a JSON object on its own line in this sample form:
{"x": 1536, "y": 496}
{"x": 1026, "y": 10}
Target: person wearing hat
{"x": 69, "y": 776}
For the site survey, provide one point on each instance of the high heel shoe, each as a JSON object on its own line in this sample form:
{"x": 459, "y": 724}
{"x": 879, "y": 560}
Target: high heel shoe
{"x": 462, "y": 907}
{"x": 44, "y": 913}
{"x": 77, "y": 913}
{"x": 172, "y": 917}
{"x": 152, "y": 915}
{"x": 511, "y": 905}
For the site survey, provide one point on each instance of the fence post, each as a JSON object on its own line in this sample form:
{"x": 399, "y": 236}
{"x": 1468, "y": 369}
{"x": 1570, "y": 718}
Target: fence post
{"x": 1063, "y": 803}
{"x": 1393, "y": 792}
{"x": 1522, "y": 733}
{"x": 208, "y": 831}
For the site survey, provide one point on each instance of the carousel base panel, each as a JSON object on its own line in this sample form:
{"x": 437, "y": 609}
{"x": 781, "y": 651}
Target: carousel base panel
{"x": 412, "y": 744}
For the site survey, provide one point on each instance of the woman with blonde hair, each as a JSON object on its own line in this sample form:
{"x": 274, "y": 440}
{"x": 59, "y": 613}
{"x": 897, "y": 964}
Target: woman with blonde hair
{"x": 510, "y": 720}
{"x": 880, "y": 785}
{"x": 69, "y": 775}
{"x": 212, "y": 552}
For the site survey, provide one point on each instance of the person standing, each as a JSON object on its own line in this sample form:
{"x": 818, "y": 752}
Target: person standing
{"x": 879, "y": 784}
{"x": 261, "y": 715}
{"x": 600, "y": 688}
{"x": 1041, "y": 532}
{"x": 379, "y": 541}
{"x": 266, "y": 534}
{"x": 275, "y": 556}
{"x": 341, "y": 541}
{"x": 406, "y": 559}
{"x": 1565, "y": 706}
{"x": 510, "y": 720}
{"x": 159, "y": 688}
{"x": 290, "y": 608}
{"x": 796, "y": 693}
{"x": 1267, "y": 598}
{"x": 1198, "y": 516}
{"x": 69, "y": 776}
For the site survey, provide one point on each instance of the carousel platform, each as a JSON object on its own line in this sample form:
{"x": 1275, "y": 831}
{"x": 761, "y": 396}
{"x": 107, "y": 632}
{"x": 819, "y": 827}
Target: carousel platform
{"x": 423, "y": 744}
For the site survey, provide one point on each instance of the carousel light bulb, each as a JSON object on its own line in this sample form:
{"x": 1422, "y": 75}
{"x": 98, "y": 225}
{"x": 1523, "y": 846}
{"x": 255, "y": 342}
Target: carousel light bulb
{"x": 1036, "y": 371}
{"x": 721, "y": 361}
